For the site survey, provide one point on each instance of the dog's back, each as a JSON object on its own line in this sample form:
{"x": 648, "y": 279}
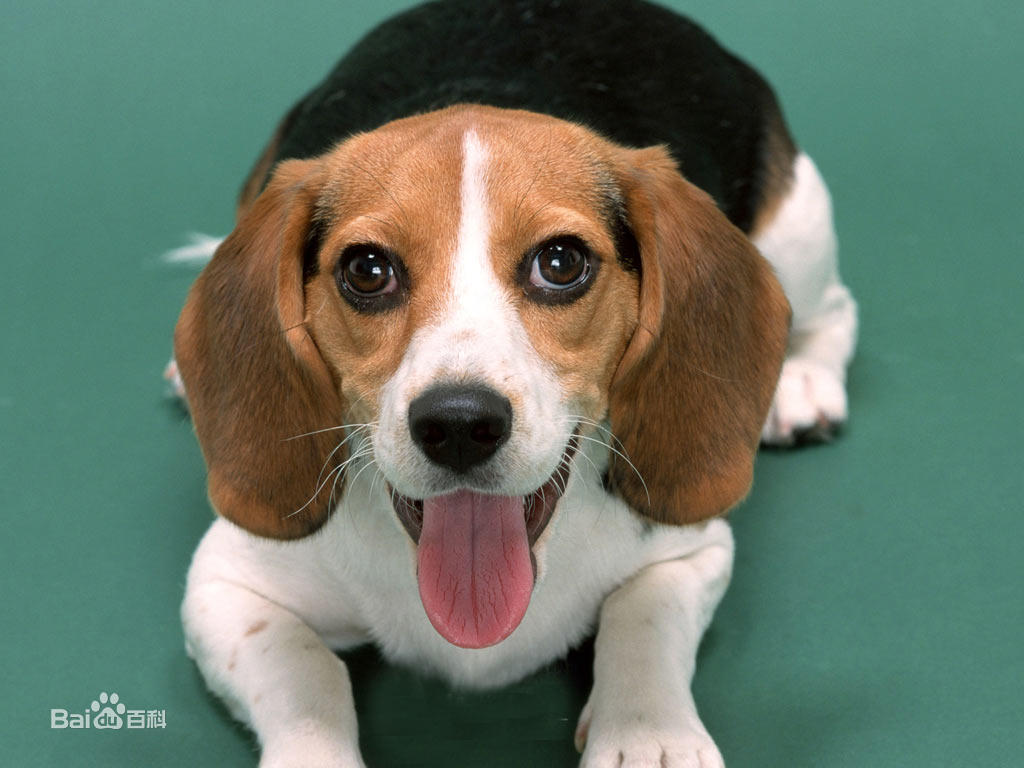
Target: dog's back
{"x": 570, "y": 59}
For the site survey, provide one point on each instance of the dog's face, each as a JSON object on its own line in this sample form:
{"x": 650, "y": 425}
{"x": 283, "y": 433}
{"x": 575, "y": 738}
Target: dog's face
{"x": 472, "y": 255}
{"x": 470, "y": 297}
{"x": 472, "y": 291}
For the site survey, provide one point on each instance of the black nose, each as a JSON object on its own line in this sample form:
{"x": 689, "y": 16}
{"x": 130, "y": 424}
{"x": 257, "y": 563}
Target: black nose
{"x": 460, "y": 427}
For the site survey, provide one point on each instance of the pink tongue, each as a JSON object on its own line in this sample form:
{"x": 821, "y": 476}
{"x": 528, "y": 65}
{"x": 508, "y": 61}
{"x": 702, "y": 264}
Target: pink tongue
{"x": 474, "y": 566}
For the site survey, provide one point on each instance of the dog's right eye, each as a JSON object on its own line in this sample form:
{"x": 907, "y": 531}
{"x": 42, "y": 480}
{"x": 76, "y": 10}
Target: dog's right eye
{"x": 368, "y": 277}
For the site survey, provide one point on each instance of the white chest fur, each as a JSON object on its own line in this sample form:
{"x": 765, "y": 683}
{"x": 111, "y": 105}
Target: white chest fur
{"x": 354, "y": 581}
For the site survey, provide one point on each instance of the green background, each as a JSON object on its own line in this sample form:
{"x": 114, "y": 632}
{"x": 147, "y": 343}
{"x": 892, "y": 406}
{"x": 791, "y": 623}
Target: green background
{"x": 877, "y": 613}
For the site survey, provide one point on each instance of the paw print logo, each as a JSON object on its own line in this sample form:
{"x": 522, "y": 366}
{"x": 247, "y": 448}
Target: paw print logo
{"x": 108, "y": 718}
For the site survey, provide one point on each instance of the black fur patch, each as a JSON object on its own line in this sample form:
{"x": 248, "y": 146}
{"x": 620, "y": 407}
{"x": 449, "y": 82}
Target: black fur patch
{"x": 311, "y": 249}
{"x": 631, "y": 70}
{"x": 627, "y": 251}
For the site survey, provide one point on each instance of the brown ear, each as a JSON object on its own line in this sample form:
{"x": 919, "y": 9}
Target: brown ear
{"x": 254, "y": 377}
{"x": 693, "y": 388}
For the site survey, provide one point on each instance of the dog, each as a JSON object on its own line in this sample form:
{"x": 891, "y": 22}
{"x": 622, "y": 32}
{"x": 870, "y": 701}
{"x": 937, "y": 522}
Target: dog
{"x": 512, "y": 298}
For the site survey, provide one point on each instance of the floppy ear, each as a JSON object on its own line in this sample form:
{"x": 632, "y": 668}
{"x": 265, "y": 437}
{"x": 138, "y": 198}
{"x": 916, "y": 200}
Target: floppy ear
{"x": 253, "y": 374}
{"x": 693, "y": 388}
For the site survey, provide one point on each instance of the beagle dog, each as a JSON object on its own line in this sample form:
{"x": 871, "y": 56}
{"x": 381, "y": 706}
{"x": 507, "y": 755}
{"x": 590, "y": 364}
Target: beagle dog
{"x": 487, "y": 358}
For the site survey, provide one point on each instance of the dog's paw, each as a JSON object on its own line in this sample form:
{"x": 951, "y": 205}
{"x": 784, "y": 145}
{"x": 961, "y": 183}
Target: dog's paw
{"x": 634, "y": 743}
{"x": 809, "y": 405}
{"x": 640, "y": 748}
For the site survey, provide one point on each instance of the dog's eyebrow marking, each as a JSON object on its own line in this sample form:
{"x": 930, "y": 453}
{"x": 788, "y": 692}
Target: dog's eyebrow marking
{"x": 386, "y": 191}
{"x": 540, "y": 169}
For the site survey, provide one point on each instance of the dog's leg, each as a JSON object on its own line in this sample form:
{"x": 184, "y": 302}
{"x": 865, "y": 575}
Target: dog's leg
{"x": 641, "y": 713}
{"x": 800, "y": 242}
{"x": 274, "y": 673}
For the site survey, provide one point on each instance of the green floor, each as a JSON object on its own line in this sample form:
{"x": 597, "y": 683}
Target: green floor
{"x": 877, "y": 613}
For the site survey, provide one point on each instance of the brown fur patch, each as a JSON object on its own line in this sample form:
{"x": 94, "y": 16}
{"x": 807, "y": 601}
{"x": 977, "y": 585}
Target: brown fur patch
{"x": 693, "y": 388}
{"x": 254, "y": 377}
{"x": 683, "y": 362}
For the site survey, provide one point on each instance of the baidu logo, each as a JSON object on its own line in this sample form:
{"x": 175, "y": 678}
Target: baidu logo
{"x": 108, "y": 713}
{"x": 107, "y": 718}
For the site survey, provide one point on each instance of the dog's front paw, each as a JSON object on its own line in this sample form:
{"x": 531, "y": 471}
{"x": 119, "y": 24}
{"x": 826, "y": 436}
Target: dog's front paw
{"x": 809, "y": 405}
{"x": 639, "y": 748}
{"x": 309, "y": 745}
{"x": 633, "y": 742}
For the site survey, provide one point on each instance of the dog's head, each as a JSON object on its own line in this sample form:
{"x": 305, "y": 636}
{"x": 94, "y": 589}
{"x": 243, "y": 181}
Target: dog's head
{"x": 470, "y": 292}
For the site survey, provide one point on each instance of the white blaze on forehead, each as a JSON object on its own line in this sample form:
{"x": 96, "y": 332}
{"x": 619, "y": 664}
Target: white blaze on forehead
{"x": 473, "y": 224}
{"x": 475, "y": 293}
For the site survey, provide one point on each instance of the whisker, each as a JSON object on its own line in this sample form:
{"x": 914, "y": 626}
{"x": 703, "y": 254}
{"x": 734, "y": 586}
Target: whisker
{"x": 321, "y": 307}
{"x": 330, "y": 429}
{"x": 590, "y": 461}
{"x": 315, "y": 493}
{"x": 360, "y": 450}
{"x": 387, "y": 192}
{"x": 328, "y": 461}
{"x": 336, "y": 449}
{"x": 385, "y": 222}
{"x": 712, "y": 375}
{"x": 535, "y": 214}
{"x": 336, "y": 471}
{"x": 601, "y": 426}
{"x": 626, "y": 459}
{"x": 361, "y": 470}
{"x": 540, "y": 169}
{"x": 562, "y": 483}
{"x": 256, "y": 343}
{"x": 378, "y": 475}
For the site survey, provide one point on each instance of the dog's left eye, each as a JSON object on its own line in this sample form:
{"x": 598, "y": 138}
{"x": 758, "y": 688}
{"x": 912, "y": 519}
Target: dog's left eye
{"x": 368, "y": 272}
{"x": 559, "y": 265}
{"x": 368, "y": 277}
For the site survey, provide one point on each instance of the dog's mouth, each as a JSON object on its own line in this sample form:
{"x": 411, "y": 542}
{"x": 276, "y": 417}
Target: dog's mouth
{"x": 474, "y": 553}
{"x": 538, "y": 507}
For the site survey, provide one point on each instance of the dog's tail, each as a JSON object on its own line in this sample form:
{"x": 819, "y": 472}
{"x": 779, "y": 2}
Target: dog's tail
{"x": 197, "y": 252}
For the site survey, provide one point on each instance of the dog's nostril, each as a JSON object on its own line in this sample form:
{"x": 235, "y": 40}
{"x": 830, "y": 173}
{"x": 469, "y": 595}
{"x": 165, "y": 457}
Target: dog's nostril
{"x": 433, "y": 434}
{"x": 460, "y": 427}
{"x": 487, "y": 431}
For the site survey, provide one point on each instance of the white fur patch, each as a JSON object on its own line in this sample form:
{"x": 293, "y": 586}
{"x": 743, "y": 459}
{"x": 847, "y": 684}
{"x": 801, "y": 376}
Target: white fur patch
{"x": 197, "y": 252}
{"x": 800, "y": 242}
{"x": 475, "y": 296}
{"x": 355, "y": 581}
